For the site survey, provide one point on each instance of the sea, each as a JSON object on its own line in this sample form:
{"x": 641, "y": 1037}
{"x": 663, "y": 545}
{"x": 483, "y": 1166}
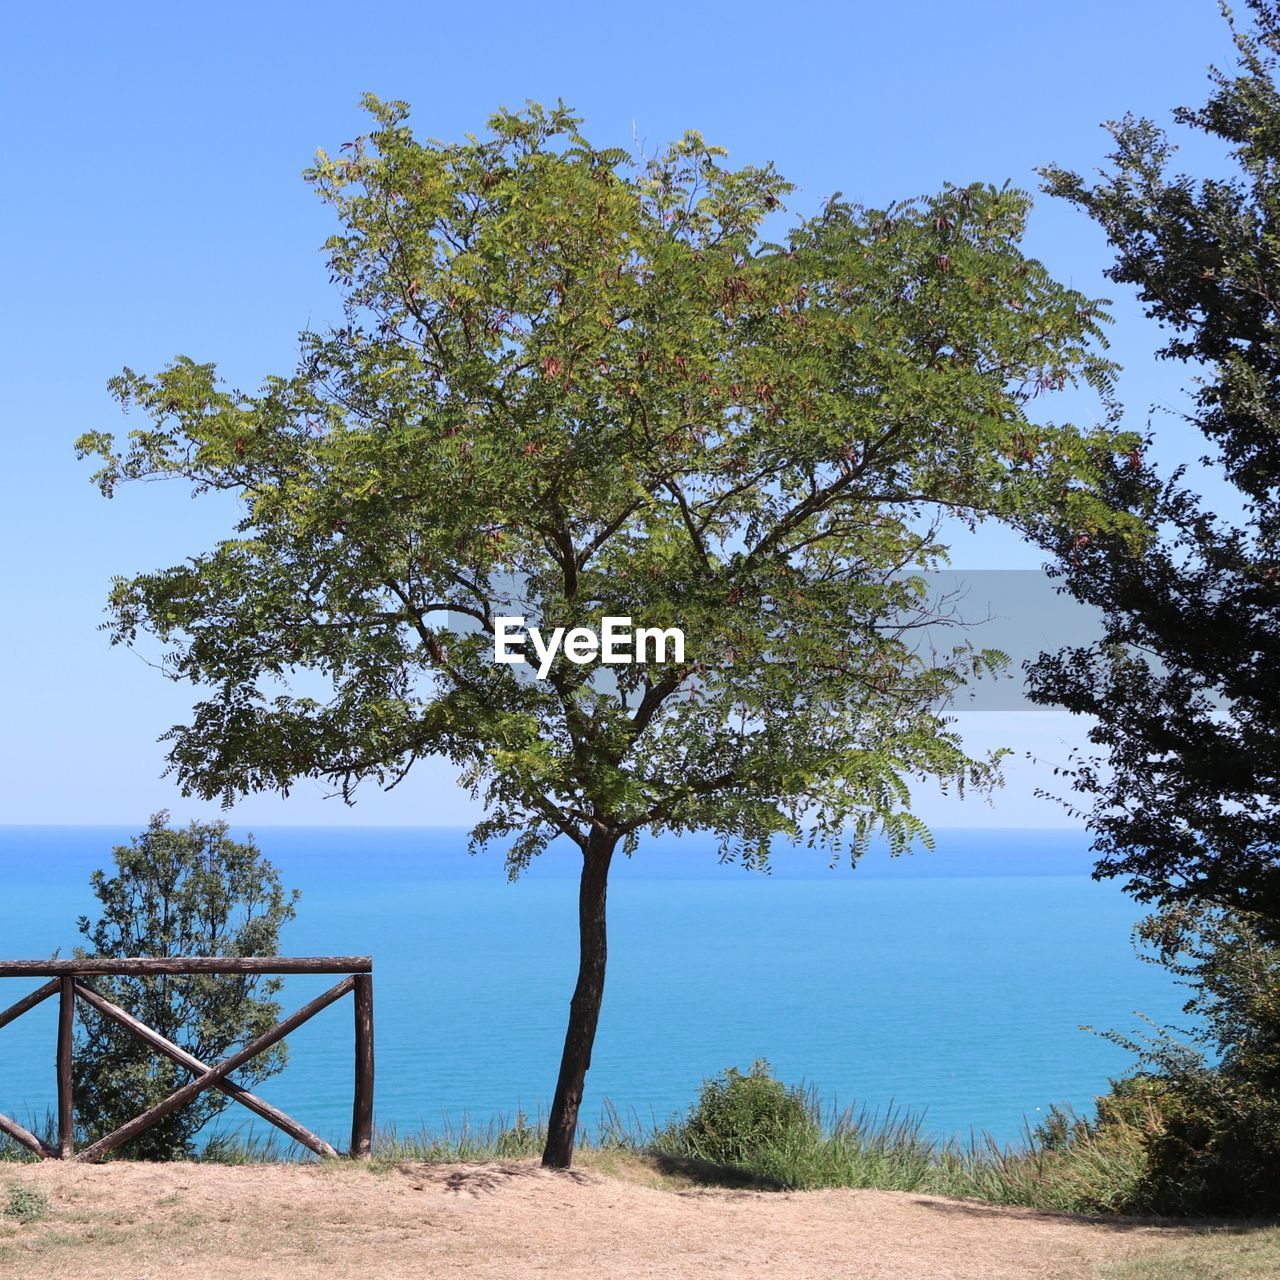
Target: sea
{"x": 956, "y": 985}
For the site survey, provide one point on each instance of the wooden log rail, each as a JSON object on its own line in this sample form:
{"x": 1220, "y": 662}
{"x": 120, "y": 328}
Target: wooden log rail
{"x": 66, "y": 980}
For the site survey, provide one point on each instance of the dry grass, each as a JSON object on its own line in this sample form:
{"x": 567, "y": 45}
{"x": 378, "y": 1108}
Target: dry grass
{"x": 619, "y": 1214}
{"x": 1238, "y": 1252}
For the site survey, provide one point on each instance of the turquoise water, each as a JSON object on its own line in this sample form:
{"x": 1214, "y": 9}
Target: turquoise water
{"x": 953, "y": 982}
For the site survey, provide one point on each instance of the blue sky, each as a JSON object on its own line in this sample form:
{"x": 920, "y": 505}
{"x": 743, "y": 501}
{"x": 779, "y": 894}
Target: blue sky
{"x": 153, "y": 205}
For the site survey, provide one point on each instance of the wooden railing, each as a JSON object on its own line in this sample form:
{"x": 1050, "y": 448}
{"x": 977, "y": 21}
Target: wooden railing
{"x": 67, "y": 981}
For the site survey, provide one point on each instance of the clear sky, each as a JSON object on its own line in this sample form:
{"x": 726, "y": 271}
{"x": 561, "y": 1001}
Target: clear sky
{"x": 152, "y": 205}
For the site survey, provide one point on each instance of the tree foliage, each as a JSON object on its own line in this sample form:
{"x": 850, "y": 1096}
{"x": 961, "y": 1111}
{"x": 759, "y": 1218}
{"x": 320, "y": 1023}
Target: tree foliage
{"x": 592, "y": 382}
{"x": 603, "y": 381}
{"x": 1185, "y": 686}
{"x": 177, "y": 892}
{"x": 1206, "y": 1103}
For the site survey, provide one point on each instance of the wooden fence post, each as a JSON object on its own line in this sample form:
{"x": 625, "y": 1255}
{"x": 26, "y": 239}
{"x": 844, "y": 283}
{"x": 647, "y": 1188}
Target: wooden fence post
{"x": 362, "y": 1111}
{"x": 66, "y": 1031}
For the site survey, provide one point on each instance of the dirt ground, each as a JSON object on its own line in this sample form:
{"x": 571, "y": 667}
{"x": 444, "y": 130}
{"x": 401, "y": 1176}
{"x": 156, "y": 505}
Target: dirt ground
{"x": 511, "y": 1220}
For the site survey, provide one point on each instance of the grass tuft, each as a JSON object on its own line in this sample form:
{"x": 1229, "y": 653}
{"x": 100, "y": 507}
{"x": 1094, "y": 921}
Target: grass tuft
{"x": 25, "y": 1204}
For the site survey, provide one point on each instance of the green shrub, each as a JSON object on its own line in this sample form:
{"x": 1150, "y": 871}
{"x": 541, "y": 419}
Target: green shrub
{"x": 1216, "y": 1151}
{"x": 739, "y": 1117}
{"x": 1208, "y": 1110}
{"x": 1156, "y": 1145}
{"x": 25, "y": 1204}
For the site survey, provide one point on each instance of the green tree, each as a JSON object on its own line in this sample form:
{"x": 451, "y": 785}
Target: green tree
{"x": 593, "y": 376}
{"x": 1233, "y": 974}
{"x": 1205, "y": 1104}
{"x": 1184, "y": 688}
{"x": 178, "y": 892}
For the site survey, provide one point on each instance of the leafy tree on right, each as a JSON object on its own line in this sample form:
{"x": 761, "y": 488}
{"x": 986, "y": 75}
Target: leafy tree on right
{"x": 1185, "y": 685}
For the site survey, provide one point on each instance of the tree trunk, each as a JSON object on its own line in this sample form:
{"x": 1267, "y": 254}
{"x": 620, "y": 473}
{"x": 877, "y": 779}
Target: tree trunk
{"x": 584, "y": 1009}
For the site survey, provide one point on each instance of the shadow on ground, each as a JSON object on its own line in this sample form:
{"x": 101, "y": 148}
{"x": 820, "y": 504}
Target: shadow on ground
{"x": 1187, "y": 1227}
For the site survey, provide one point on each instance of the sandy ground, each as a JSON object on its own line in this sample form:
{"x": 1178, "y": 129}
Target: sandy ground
{"x": 511, "y": 1220}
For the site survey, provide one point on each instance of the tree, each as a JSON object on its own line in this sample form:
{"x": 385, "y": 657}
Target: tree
{"x": 178, "y": 892}
{"x": 572, "y": 385}
{"x": 1185, "y": 684}
{"x": 1205, "y": 1106}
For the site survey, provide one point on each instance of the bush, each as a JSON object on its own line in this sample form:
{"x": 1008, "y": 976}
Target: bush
{"x": 1190, "y": 1139}
{"x": 1204, "y": 1112}
{"x": 738, "y": 1118}
{"x": 1216, "y": 1149}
